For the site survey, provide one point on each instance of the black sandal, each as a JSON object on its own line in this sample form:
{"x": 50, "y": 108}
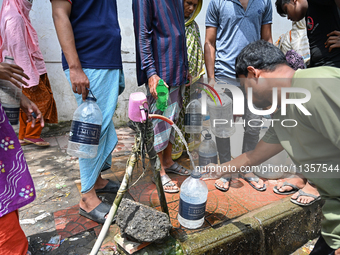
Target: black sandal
{"x": 177, "y": 169}
{"x": 110, "y": 187}
{"x": 97, "y": 214}
{"x": 253, "y": 179}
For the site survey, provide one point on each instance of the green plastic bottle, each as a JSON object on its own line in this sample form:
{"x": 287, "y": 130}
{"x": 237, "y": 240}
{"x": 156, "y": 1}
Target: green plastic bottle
{"x": 163, "y": 95}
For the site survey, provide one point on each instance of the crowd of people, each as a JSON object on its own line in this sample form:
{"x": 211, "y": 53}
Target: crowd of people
{"x": 238, "y": 49}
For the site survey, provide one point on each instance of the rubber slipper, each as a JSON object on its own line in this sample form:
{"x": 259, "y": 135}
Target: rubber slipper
{"x": 111, "y": 187}
{"x": 167, "y": 182}
{"x": 302, "y": 193}
{"x": 294, "y": 190}
{"x": 37, "y": 141}
{"x": 224, "y": 180}
{"x": 97, "y": 214}
{"x": 253, "y": 179}
{"x": 177, "y": 169}
{"x": 23, "y": 143}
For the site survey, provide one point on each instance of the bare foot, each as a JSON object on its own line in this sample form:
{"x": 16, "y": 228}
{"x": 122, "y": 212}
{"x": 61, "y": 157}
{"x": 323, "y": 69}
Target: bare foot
{"x": 297, "y": 181}
{"x": 259, "y": 184}
{"x": 89, "y": 201}
{"x": 222, "y": 183}
{"x": 305, "y": 199}
{"x": 169, "y": 185}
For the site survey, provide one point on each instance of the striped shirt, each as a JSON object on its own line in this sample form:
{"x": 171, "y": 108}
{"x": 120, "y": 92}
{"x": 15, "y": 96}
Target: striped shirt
{"x": 160, "y": 41}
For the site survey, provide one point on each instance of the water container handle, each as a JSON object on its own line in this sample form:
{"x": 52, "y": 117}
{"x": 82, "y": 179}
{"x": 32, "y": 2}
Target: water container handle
{"x": 143, "y": 111}
{"x": 90, "y": 91}
{"x": 204, "y": 130}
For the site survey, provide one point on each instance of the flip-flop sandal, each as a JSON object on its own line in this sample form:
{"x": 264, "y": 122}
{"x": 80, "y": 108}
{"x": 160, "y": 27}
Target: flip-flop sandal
{"x": 167, "y": 182}
{"x": 224, "y": 180}
{"x": 294, "y": 190}
{"x": 111, "y": 187}
{"x": 302, "y": 193}
{"x": 253, "y": 179}
{"x": 37, "y": 141}
{"x": 23, "y": 143}
{"x": 97, "y": 214}
{"x": 177, "y": 169}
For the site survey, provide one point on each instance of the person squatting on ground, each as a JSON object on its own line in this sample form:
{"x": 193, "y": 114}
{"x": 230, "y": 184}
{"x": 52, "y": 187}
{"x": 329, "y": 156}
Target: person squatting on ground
{"x": 323, "y": 32}
{"x": 91, "y": 58}
{"x": 161, "y": 53}
{"x": 16, "y": 184}
{"x": 314, "y": 140}
{"x": 19, "y": 40}
{"x": 196, "y": 69}
{"x": 230, "y": 26}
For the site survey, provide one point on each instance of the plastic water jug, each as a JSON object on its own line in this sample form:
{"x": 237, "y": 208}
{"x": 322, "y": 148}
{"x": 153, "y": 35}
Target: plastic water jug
{"x": 85, "y": 130}
{"x": 221, "y": 116}
{"x": 193, "y": 116}
{"x": 137, "y": 106}
{"x": 207, "y": 152}
{"x": 192, "y": 202}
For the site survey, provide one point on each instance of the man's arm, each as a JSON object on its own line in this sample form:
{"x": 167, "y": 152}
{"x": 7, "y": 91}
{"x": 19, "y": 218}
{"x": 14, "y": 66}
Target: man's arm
{"x": 266, "y": 33}
{"x": 261, "y": 153}
{"x": 209, "y": 51}
{"x": 61, "y": 10}
{"x": 142, "y": 13}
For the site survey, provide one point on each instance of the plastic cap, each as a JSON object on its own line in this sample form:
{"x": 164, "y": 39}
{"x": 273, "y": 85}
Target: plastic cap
{"x": 91, "y": 99}
{"x": 196, "y": 173}
{"x": 161, "y": 82}
{"x": 207, "y": 136}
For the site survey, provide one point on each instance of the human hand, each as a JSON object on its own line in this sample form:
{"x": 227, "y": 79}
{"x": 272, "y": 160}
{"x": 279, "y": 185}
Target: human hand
{"x": 13, "y": 73}
{"x": 80, "y": 82}
{"x": 152, "y": 83}
{"x": 211, "y": 82}
{"x": 28, "y": 108}
{"x": 333, "y": 40}
{"x": 189, "y": 82}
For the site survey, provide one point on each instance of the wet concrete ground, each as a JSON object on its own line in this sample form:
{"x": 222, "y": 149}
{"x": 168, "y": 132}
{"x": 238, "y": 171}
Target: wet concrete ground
{"x": 53, "y": 216}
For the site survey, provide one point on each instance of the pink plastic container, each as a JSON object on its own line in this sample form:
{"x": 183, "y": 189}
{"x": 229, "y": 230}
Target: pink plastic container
{"x": 137, "y": 106}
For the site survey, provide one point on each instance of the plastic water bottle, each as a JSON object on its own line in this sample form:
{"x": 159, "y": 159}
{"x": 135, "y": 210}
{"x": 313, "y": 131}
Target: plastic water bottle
{"x": 192, "y": 202}
{"x": 221, "y": 117}
{"x": 193, "y": 116}
{"x": 163, "y": 96}
{"x": 85, "y": 130}
{"x": 207, "y": 152}
{"x": 10, "y": 96}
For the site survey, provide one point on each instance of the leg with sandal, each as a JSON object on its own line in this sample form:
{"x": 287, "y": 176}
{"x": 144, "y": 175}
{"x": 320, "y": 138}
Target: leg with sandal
{"x": 250, "y": 140}
{"x": 304, "y": 192}
{"x": 164, "y": 137}
{"x": 90, "y": 169}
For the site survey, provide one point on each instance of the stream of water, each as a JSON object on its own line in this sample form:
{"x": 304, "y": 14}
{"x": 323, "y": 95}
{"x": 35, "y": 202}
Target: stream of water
{"x": 185, "y": 143}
